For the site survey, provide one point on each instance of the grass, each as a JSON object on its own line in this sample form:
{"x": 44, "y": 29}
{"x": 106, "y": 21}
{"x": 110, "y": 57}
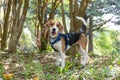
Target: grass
{"x": 32, "y": 66}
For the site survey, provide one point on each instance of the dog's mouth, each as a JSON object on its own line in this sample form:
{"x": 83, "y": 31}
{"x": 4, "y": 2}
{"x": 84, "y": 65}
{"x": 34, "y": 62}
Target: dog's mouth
{"x": 53, "y": 32}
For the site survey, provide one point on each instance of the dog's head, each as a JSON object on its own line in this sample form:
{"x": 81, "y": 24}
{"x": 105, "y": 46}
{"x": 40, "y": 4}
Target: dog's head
{"x": 54, "y": 28}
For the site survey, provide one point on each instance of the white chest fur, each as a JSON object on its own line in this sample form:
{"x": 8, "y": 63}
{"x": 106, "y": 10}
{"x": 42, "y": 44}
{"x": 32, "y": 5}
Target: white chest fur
{"x": 57, "y": 46}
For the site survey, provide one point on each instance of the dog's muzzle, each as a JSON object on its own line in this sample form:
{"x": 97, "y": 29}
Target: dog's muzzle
{"x": 53, "y": 31}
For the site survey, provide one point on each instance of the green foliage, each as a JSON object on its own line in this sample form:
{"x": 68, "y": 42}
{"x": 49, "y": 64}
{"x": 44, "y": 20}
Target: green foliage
{"x": 1, "y": 69}
{"x": 27, "y": 71}
{"x": 42, "y": 65}
{"x": 116, "y": 41}
{"x": 38, "y": 69}
{"x": 103, "y": 42}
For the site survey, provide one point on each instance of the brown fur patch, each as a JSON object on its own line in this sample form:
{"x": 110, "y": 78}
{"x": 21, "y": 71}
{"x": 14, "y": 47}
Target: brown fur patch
{"x": 63, "y": 44}
{"x": 83, "y": 41}
{"x": 60, "y": 25}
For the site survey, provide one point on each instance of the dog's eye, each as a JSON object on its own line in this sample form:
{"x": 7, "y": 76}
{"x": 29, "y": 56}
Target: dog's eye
{"x": 51, "y": 24}
{"x": 58, "y": 25}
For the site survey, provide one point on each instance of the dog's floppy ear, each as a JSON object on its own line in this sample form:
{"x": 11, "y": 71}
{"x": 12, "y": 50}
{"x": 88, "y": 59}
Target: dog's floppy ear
{"x": 61, "y": 26}
{"x": 47, "y": 26}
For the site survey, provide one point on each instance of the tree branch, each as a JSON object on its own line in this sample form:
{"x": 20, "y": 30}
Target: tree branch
{"x": 54, "y": 6}
{"x": 101, "y": 24}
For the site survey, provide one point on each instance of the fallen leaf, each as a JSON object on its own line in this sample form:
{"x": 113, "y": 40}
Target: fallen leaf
{"x": 36, "y": 77}
{"x": 8, "y": 76}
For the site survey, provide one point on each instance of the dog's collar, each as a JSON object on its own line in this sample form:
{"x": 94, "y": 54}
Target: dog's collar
{"x": 65, "y": 36}
{"x": 56, "y": 39}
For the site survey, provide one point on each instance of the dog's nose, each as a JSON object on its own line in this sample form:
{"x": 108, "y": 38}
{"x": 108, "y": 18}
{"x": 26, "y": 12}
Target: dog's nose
{"x": 53, "y": 29}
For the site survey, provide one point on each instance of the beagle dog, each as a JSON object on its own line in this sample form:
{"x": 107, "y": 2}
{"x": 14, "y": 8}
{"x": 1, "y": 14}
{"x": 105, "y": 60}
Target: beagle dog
{"x": 61, "y": 42}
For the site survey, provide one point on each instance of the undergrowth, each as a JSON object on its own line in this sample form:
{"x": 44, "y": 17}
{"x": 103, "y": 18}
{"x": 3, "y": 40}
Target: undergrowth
{"x": 32, "y": 66}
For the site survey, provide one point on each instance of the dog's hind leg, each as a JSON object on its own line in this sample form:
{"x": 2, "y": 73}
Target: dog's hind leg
{"x": 84, "y": 57}
{"x": 83, "y": 44}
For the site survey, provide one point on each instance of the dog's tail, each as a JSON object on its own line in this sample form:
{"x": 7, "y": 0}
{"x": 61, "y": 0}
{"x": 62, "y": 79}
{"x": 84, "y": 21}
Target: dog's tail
{"x": 83, "y": 20}
{"x": 86, "y": 23}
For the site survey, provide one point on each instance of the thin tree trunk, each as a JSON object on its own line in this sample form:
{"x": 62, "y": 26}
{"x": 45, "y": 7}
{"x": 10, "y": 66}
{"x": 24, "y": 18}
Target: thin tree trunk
{"x": 5, "y": 25}
{"x": 40, "y": 14}
{"x": 0, "y": 34}
{"x": 55, "y": 4}
{"x": 76, "y": 9}
{"x": 90, "y": 45}
{"x": 63, "y": 16}
{"x": 15, "y": 35}
{"x": 71, "y": 16}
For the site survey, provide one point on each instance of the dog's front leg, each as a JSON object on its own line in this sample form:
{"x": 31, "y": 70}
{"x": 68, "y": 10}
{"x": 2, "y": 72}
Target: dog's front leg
{"x": 62, "y": 51}
{"x": 62, "y": 59}
{"x": 58, "y": 60}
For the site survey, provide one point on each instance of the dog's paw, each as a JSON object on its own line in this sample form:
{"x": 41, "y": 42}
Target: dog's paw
{"x": 83, "y": 63}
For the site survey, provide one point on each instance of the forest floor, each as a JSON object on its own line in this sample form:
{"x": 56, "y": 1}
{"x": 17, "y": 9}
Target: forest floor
{"x": 34, "y": 66}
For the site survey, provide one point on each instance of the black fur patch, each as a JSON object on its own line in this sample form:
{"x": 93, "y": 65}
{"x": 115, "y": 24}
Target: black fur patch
{"x": 73, "y": 37}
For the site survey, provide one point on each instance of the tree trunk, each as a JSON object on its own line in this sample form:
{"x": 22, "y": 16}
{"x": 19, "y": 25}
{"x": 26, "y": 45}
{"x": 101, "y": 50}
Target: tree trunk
{"x": 41, "y": 8}
{"x": 41, "y": 14}
{"x": 17, "y": 30}
{"x": 90, "y": 45}
{"x": 76, "y": 9}
{"x": 16, "y": 15}
{"x": 63, "y": 16}
{"x": 81, "y": 12}
{"x": 71, "y": 16}
{"x": 0, "y": 34}
{"x": 5, "y": 25}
